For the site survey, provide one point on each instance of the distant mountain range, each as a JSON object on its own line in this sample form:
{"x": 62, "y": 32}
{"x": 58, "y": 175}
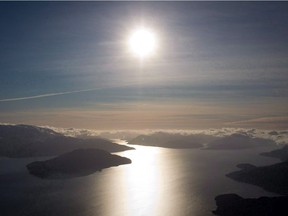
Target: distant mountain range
{"x": 31, "y": 141}
{"x": 238, "y": 141}
{"x": 169, "y": 140}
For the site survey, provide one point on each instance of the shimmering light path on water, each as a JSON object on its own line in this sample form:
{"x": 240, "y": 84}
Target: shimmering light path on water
{"x": 159, "y": 182}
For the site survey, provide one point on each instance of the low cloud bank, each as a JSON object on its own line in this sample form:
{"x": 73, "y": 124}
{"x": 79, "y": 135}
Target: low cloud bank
{"x": 280, "y": 137}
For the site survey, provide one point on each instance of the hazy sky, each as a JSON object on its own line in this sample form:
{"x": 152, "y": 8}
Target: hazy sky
{"x": 218, "y": 64}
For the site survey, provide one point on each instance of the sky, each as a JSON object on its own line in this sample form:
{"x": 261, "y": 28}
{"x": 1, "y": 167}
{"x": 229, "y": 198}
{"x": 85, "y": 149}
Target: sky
{"x": 217, "y": 64}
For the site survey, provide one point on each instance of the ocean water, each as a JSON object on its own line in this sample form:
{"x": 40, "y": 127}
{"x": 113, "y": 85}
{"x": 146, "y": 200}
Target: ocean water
{"x": 159, "y": 182}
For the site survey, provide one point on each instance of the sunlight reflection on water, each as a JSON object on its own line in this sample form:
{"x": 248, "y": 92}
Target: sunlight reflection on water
{"x": 143, "y": 186}
{"x": 165, "y": 182}
{"x": 159, "y": 182}
{"x": 141, "y": 181}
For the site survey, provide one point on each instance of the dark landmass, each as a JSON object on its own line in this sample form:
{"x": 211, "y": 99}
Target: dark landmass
{"x": 30, "y": 141}
{"x": 238, "y": 141}
{"x": 229, "y": 142}
{"x": 169, "y": 140}
{"x": 281, "y": 154}
{"x": 234, "y": 205}
{"x": 246, "y": 166}
{"x": 79, "y": 162}
{"x": 273, "y": 178}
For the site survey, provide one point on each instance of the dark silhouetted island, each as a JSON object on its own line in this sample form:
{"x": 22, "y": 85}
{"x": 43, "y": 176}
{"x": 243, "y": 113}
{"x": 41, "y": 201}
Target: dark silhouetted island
{"x": 273, "y": 178}
{"x": 234, "y": 205}
{"x": 30, "y": 141}
{"x": 281, "y": 154}
{"x": 79, "y": 162}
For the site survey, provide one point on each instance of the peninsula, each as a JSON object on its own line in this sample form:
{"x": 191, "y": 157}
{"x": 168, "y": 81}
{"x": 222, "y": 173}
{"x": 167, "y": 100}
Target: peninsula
{"x": 79, "y": 162}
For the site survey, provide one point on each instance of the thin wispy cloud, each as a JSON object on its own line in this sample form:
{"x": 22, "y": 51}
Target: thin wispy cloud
{"x": 46, "y": 95}
{"x": 56, "y": 94}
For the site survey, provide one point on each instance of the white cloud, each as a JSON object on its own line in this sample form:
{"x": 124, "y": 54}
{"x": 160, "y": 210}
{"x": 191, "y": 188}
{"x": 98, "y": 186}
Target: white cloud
{"x": 278, "y": 136}
{"x": 47, "y": 95}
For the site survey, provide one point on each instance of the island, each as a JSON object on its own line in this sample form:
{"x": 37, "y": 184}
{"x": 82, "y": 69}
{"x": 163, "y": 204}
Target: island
{"x": 79, "y": 162}
{"x": 234, "y": 205}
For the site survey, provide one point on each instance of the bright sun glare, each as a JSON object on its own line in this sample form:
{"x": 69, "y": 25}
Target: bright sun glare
{"x": 142, "y": 42}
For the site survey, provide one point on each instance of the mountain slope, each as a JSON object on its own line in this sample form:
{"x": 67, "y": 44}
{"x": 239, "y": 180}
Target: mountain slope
{"x": 29, "y": 141}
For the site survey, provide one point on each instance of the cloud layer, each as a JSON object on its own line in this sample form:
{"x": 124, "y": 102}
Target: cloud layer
{"x": 280, "y": 137}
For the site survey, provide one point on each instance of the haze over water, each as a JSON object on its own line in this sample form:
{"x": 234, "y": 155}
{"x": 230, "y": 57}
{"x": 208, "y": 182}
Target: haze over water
{"x": 158, "y": 182}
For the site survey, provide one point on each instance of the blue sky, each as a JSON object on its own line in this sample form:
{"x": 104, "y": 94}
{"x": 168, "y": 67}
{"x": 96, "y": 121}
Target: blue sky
{"x": 218, "y": 64}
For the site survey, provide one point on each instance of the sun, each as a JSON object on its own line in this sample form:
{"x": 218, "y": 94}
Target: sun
{"x": 142, "y": 42}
